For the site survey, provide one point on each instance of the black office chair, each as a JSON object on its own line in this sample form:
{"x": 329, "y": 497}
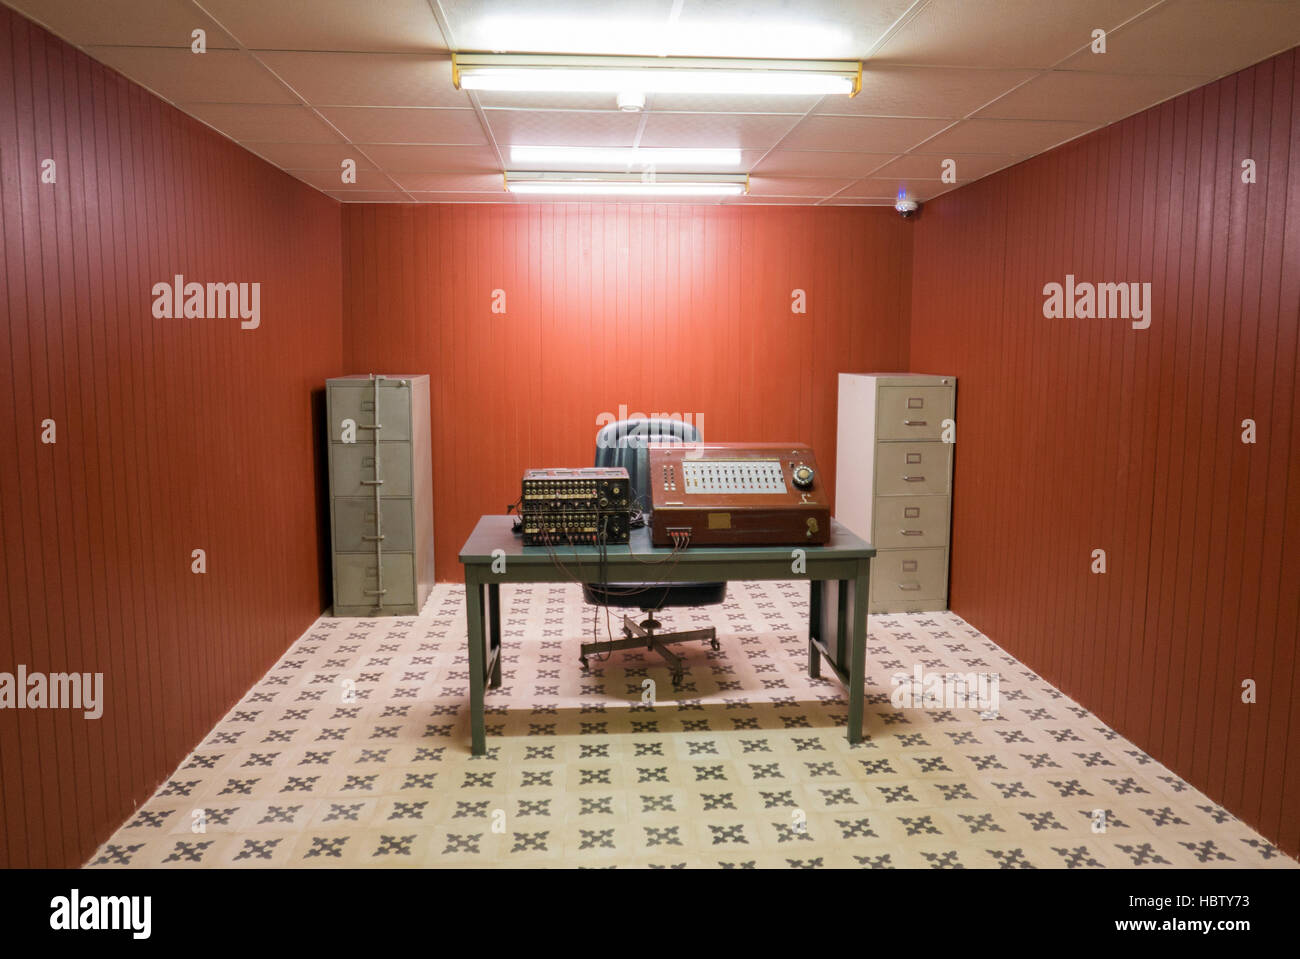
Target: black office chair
{"x": 624, "y": 444}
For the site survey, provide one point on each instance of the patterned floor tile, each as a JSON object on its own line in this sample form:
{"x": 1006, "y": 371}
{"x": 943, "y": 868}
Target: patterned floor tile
{"x": 353, "y": 751}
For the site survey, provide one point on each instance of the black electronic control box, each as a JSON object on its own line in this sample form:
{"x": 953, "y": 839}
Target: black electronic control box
{"x": 575, "y": 506}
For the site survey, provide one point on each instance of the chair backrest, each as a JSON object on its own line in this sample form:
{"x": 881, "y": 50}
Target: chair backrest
{"x": 624, "y": 444}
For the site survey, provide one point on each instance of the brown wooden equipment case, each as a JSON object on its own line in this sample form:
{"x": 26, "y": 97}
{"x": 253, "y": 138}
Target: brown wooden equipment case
{"x": 747, "y": 515}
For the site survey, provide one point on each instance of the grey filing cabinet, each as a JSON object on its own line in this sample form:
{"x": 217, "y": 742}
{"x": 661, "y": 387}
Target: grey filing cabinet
{"x": 893, "y": 482}
{"x": 381, "y": 493}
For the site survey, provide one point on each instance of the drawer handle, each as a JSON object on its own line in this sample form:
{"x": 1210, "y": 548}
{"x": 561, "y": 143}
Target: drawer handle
{"x": 914, "y": 422}
{"x": 913, "y": 479}
{"x": 910, "y": 588}
{"x": 912, "y": 532}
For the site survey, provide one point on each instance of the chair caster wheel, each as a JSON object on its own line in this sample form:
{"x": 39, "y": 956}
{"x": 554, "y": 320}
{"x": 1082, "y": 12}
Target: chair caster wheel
{"x": 715, "y": 644}
{"x": 583, "y": 660}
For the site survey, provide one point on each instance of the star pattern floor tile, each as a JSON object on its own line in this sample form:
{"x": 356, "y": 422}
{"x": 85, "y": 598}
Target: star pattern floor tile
{"x": 353, "y": 750}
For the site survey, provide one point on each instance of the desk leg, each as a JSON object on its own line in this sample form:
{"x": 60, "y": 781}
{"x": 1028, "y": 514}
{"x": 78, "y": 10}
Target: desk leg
{"x": 494, "y": 632}
{"x": 477, "y": 679}
{"x": 858, "y": 655}
{"x": 816, "y": 597}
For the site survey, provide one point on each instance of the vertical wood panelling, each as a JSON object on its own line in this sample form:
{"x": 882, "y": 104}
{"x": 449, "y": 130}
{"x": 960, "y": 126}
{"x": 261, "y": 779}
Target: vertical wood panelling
{"x": 172, "y": 434}
{"x": 1074, "y": 434}
{"x": 661, "y": 308}
{"x": 1086, "y": 434}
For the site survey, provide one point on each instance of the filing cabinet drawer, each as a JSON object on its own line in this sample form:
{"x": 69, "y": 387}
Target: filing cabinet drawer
{"x": 912, "y": 468}
{"x": 912, "y": 412}
{"x": 349, "y": 465}
{"x": 903, "y": 576}
{"x": 910, "y": 522}
{"x": 358, "y": 404}
{"x": 354, "y": 573}
{"x": 354, "y": 519}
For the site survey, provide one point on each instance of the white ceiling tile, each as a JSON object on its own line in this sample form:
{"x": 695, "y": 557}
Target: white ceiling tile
{"x": 861, "y": 134}
{"x": 218, "y": 76}
{"x": 452, "y": 182}
{"x": 557, "y": 26}
{"x": 264, "y": 121}
{"x": 563, "y": 128}
{"x": 1018, "y": 137}
{"x": 746, "y": 131}
{"x": 368, "y": 79}
{"x": 500, "y": 196}
{"x": 925, "y": 190}
{"x": 796, "y": 186}
{"x": 930, "y": 166}
{"x": 330, "y": 181}
{"x": 309, "y": 156}
{"x": 762, "y": 200}
{"x": 877, "y": 188}
{"x": 882, "y": 188}
{"x": 811, "y": 29}
{"x": 1203, "y": 37}
{"x": 407, "y": 125}
{"x": 889, "y": 90}
{"x": 369, "y": 196}
{"x": 139, "y": 23}
{"x": 820, "y": 163}
{"x": 433, "y": 159}
{"x": 379, "y": 72}
{"x": 392, "y": 26}
{"x": 1003, "y": 33}
{"x": 1092, "y": 97}
{"x": 803, "y": 30}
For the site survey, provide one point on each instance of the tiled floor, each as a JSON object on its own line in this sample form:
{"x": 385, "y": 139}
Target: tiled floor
{"x": 747, "y": 766}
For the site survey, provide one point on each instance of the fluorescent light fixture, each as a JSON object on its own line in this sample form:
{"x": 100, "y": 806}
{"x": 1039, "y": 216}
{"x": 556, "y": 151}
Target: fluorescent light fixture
{"x": 542, "y": 73}
{"x": 629, "y": 189}
{"x": 692, "y": 158}
{"x": 626, "y": 184}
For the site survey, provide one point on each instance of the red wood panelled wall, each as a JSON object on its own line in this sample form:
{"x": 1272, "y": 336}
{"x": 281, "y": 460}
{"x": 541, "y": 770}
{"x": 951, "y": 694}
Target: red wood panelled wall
{"x": 1075, "y": 435}
{"x": 658, "y": 308}
{"x": 171, "y": 434}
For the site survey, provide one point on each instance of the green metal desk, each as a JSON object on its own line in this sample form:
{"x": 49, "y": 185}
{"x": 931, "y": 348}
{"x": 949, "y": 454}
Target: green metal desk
{"x": 837, "y": 620}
